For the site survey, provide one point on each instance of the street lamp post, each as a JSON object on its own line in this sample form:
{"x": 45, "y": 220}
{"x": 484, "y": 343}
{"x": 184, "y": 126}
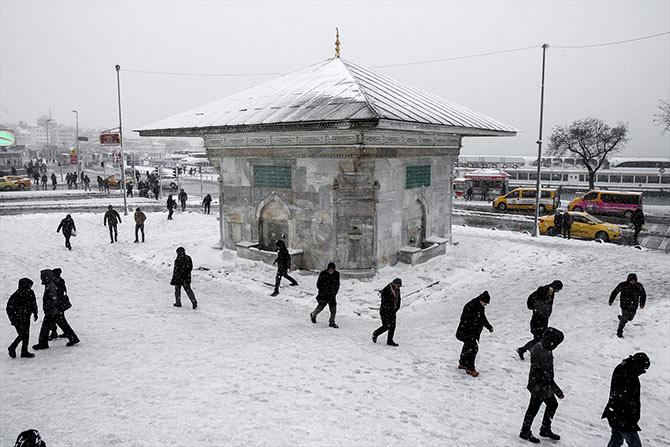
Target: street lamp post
{"x": 123, "y": 159}
{"x": 46, "y": 125}
{"x": 76, "y": 114}
{"x": 538, "y": 192}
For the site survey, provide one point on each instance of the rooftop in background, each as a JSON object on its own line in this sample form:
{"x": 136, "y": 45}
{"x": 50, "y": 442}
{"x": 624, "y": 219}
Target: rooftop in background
{"x": 331, "y": 91}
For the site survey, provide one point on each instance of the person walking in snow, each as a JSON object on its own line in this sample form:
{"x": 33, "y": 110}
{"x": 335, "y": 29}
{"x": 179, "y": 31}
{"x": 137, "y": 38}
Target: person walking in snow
{"x": 328, "y": 285}
{"x": 283, "y": 262}
{"x": 87, "y": 183}
{"x": 62, "y": 304}
{"x": 183, "y": 197}
{"x": 542, "y": 386}
{"x": 111, "y": 219}
{"x": 171, "y": 205}
{"x": 637, "y": 219}
{"x": 207, "y": 203}
{"x": 181, "y": 277}
{"x": 632, "y": 295}
{"x": 541, "y": 302}
{"x": 389, "y": 307}
{"x": 20, "y": 306}
{"x": 129, "y": 189}
{"x": 567, "y": 224}
{"x": 558, "y": 222}
{"x": 36, "y": 178}
{"x": 473, "y": 320}
{"x": 140, "y": 217}
{"x": 69, "y": 228}
{"x": 44, "y": 182}
{"x": 623, "y": 407}
{"x": 52, "y": 313}
{"x": 53, "y": 180}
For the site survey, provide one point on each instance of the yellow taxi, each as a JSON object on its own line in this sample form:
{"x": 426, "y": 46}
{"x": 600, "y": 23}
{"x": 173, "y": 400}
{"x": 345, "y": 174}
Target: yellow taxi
{"x": 7, "y": 183}
{"x": 114, "y": 180}
{"x": 21, "y": 182}
{"x": 584, "y": 226}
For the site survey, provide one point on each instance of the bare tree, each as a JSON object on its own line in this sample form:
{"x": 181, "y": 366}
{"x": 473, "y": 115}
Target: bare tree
{"x": 589, "y": 139}
{"x": 662, "y": 118}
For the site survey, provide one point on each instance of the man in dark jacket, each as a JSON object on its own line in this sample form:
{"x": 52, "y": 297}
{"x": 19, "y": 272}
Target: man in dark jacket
{"x": 53, "y": 180}
{"x": 283, "y": 262}
{"x": 623, "y": 408}
{"x": 111, "y": 219}
{"x": 558, "y": 222}
{"x": 473, "y": 320}
{"x": 52, "y": 313}
{"x": 542, "y": 386}
{"x": 567, "y": 224}
{"x": 140, "y": 217}
{"x": 68, "y": 227}
{"x": 171, "y": 205}
{"x": 20, "y": 306}
{"x": 390, "y": 304}
{"x": 62, "y": 304}
{"x": 183, "y": 197}
{"x": 632, "y": 295}
{"x": 207, "y": 203}
{"x": 541, "y": 302}
{"x": 181, "y": 277}
{"x": 328, "y": 284}
{"x": 637, "y": 219}
{"x": 44, "y": 182}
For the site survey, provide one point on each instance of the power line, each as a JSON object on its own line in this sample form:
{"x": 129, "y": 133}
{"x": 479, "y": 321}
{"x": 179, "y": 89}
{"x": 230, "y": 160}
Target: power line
{"x": 404, "y": 64}
{"x": 651, "y": 36}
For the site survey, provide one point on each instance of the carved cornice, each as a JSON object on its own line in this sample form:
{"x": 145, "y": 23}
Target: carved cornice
{"x": 345, "y": 152}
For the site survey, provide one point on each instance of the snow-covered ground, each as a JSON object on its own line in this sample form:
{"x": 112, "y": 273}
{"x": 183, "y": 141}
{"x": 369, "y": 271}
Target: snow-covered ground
{"x": 249, "y": 369}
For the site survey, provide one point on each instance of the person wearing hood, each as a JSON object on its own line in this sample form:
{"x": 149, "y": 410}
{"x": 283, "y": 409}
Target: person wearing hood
{"x": 171, "y": 205}
{"x": 390, "y": 305}
{"x": 51, "y": 306}
{"x": 183, "y": 197}
{"x": 541, "y": 302}
{"x": 111, "y": 219}
{"x": 140, "y": 217}
{"x": 68, "y": 227}
{"x": 20, "y": 306}
{"x": 181, "y": 277}
{"x": 207, "y": 203}
{"x": 542, "y": 387}
{"x": 623, "y": 407}
{"x": 328, "y": 285}
{"x": 62, "y": 304}
{"x": 632, "y": 295}
{"x": 283, "y": 262}
{"x": 473, "y": 320}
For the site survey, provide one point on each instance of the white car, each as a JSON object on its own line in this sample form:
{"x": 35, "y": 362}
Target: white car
{"x": 169, "y": 182}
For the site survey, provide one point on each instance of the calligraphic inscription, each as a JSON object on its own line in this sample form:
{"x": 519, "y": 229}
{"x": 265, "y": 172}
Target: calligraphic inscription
{"x": 373, "y": 139}
{"x": 236, "y": 141}
{"x": 342, "y": 139}
{"x": 312, "y": 139}
{"x": 284, "y": 139}
{"x": 260, "y": 141}
{"x": 392, "y": 139}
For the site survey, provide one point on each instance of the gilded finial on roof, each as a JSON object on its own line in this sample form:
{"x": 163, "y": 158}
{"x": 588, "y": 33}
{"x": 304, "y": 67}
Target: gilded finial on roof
{"x": 337, "y": 43}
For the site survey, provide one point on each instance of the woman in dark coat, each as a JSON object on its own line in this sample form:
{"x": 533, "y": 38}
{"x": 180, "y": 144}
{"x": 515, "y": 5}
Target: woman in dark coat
{"x": 283, "y": 262}
{"x": 542, "y": 387}
{"x": 20, "y": 306}
{"x": 623, "y": 408}
{"x": 68, "y": 227}
{"x": 181, "y": 277}
{"x": 390, "y": 305}
{"x": 473, "y": 320}
{"x": 171, "y": 205}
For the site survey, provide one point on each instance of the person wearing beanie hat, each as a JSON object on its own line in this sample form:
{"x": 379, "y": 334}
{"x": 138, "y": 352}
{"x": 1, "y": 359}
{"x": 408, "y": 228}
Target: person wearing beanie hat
{"x": 623, "y": 407}
{"x": 69, "y": 230}
{"x": 473, "y": 320}
{"x": 283, "y": 262}
{"x": 181, "y": 277}
{"x": 140, "y": 217}
{"x": 541, "y": 302}
{"x": 112, "y": 218}
{"x": 390, "y": 304}
{"x": 632, "y": 295}
{"x": 328, "y": 285}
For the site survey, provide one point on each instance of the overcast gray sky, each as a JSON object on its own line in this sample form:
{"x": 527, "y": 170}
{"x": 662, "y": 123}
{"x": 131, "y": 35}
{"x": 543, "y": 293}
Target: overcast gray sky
{"x": 61, "y": 55}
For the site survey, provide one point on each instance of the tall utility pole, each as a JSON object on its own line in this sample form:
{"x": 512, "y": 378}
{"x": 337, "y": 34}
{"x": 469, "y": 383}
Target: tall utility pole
{"x": 76, "y": 114}
{"x": 48, "y": 154}
{"x": 123, "y": 158}
{"x": 538, "y": 192}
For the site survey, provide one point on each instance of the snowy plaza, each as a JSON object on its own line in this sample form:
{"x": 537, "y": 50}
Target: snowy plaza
{"x": 249, "y": 369}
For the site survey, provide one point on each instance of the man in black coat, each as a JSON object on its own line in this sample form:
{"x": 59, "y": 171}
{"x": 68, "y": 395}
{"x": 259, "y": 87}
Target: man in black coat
{"x": 183, "y": 197}
{"x": 637, "y": 219}
{"x": 68, "y": 227}
{"x": 623, "y": 408}
{"x": 52, "y": 312}
{"x": 558, "y": 222}
{"x": 473, "y": 320}
{"x": 541, "y": 302}
{"x": 62, "y": 304}
{"x": 207, "y": 203}
{"x": 390, "y": 304}
{"x": 53, "y": 180}
{"x": 283, "y": 262}
{"x": 111, "y": 219}
{"x": 567, "y": 224}
{"x": 181, "y": 277}
{"x": 632, "y": 295}
{"x": 328, "y": 285}
{"x": 542, "y": 387}
{"x": 20, "y": 306}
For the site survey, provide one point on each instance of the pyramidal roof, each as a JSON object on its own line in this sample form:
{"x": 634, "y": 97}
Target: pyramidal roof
{"x": 334, "y": 90}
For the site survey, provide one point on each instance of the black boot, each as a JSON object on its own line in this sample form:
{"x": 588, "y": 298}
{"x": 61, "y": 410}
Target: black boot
{"x": 312, "y": 318}
{"x": 12, "y": 351}
{"x": 528, "y": 436}
{"x": 27, "y": 355}
{"x": 73, "y": 341}
{"x": 39, "y": 346}
{"x": 546, "y": 432}
{"x": 520, "y": 352}
{"x": 275, "y": 293}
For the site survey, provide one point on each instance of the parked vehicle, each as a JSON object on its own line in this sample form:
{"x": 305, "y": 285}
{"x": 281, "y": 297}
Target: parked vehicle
{"x": 584, "y": 226}
{"x": 114, "y": 180}
{"x": 18, "y": 181}
{"x": 524, "y": 199}
{"x": 617, "y": 203}
{"x": 169, "y": 182}
{"x": 8, "y": 184}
